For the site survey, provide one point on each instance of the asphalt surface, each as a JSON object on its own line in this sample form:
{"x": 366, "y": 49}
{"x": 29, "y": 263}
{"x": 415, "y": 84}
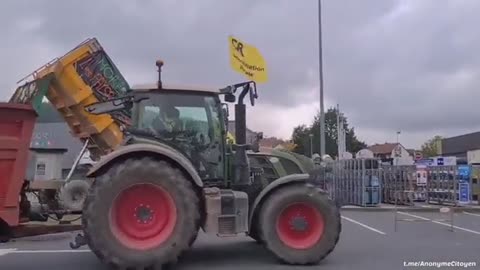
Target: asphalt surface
{"x": 368, "y": 241}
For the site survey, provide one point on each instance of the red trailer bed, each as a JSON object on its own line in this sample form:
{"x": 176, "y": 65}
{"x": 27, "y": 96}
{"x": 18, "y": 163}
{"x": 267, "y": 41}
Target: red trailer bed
{"x": 16, "y": 128}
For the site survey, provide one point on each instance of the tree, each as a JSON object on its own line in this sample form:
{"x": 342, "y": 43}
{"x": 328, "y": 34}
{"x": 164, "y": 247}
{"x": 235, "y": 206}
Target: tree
{"x": 301, "y": 136}
{"x": 432, "y": 147}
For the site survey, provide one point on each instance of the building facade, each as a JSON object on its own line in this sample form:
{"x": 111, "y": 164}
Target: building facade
{"x": 460, "y": 146}
{"x": 389, "y": 150}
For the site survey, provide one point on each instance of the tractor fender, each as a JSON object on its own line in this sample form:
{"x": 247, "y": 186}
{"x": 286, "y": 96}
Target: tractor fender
{"x": 285, "y": 180}
{"x": 147, "y": 149}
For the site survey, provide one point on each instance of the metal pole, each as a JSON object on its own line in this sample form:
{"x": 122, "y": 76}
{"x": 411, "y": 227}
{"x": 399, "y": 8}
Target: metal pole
{"x": 311, "y": 145}
{"x": 320, "y": 71}
{"x": 396, "y": 158}
{"x": 339, "y": 140}
{"x": 77, "y": 160}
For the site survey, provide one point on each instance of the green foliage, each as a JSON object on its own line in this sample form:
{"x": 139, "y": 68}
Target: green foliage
{"x": 301, "y": 136}
{"x": 431, "y": 147}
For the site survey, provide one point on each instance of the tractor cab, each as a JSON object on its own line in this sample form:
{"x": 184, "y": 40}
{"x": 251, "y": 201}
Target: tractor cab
{"x": 191, "y": 120}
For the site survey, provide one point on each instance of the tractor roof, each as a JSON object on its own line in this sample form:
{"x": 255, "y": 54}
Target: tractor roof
{"x": 153, "y": 87}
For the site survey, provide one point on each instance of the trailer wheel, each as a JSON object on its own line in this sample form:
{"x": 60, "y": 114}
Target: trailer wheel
{"x": 141, "y": 213}
{"x": 72, "y": 195}
{"x": 299, "y": 224}
{"x": 5, "y": 232}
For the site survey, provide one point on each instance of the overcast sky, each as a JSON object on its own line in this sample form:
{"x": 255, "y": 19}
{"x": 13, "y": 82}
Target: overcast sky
{"x": 391, "y": 65}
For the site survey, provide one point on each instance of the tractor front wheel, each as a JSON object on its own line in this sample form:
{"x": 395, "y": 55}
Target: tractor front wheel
{"x": 142, "y": 213}
{"x": 299, "y": 224}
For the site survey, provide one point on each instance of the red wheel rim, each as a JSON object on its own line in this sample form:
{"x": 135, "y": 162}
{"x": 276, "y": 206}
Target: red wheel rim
{"x": 300, "y": 226}
{"x": 143, "y": 216}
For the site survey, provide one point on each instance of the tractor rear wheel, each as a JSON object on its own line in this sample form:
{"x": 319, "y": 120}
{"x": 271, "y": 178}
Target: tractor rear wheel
{"x": 299, "y": 224}
{"x": 140, "y": 214}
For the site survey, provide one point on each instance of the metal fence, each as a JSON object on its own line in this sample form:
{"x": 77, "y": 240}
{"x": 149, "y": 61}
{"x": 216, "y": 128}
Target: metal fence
{"x": 442, "y": 185}
{"x": 399, "y": 185}
{"x": 366, "y": 182}
{"x": 354, "y": 181}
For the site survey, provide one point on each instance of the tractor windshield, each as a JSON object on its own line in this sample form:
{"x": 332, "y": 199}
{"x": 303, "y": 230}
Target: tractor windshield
{"x": 190, "y": 122}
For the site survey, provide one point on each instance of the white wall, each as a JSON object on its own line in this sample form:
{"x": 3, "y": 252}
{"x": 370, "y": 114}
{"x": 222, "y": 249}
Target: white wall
{"x": 473, "y": 156}
{"x": 52, "y": 164}
{"x": 404, "y": 153}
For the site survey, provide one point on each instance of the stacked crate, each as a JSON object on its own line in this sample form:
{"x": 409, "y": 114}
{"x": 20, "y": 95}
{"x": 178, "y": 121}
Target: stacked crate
{"x": 475, "y": 183}
{"x": 398, "y": 184}
{"x": 442, "y": 185}
{"x": 354, "y": 182}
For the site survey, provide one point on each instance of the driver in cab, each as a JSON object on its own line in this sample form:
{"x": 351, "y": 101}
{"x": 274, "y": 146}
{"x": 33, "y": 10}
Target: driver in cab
{"x": 168, "y": 120}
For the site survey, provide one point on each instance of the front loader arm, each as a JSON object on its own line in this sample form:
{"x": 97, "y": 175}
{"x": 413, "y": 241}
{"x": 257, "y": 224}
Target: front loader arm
{"x": 112, "y": 105}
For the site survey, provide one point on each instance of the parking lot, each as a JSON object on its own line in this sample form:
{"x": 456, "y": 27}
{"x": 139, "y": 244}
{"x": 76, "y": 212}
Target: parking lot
{"x": 368, "y": 241}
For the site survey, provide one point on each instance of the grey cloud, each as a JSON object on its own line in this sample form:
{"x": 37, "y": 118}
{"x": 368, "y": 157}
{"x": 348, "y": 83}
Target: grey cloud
{"x": 387, "y": 68}
{"x": 192, "y": 37}
{"x": 400, "y": 74}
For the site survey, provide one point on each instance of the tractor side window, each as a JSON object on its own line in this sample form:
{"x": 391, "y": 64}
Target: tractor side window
{"x": 195, "y": 119}
{"x": 189, "y": 122}
{"x": 150, "y": 113}
{"x": 216, "y": 119}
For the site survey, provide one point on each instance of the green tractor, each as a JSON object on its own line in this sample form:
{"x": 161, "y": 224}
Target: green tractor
{"x": 175, "y": 174}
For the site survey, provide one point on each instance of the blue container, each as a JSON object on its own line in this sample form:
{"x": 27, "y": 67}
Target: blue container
{"x": 464, "y": 193}
{"x": 371, "y": 194}
{"x": 463, "y": 173}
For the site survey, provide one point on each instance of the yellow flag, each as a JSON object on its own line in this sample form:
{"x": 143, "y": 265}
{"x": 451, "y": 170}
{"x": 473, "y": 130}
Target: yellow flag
{"x": 230, "y": 138}
{"x": 247, "y": 60}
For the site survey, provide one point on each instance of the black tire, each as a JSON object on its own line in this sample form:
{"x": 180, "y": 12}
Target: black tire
{"x": 254, "y": 232}
{"x": 193, "y": 239}
{"x": 5, "y": 232}
{"x": 320, "y": 201}
{"x": 96, "y": 222}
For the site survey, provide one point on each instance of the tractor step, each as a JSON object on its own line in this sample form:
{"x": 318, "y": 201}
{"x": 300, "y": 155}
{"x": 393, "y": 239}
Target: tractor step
{"x": 227, "y": 212}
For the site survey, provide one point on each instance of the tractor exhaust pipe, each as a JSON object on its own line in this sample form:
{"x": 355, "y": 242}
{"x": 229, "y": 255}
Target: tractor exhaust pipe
{"x": 241, "y": 162}
{"x": 241, "y": 118}
{"x": 240, "y": 124}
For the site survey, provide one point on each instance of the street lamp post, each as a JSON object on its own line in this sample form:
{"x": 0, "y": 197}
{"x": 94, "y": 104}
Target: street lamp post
{"x": 320, "y": 75}
{"x": 396, "y": 156}
{"x": 311, "y": 144}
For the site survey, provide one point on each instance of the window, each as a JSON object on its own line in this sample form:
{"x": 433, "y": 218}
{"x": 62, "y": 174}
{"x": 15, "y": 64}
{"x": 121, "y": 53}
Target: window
{"x": 195, "y": 119}
{"x": 183, "y": 114}
{"x": 189, "y": 122}
{"x": 41, "y": 168}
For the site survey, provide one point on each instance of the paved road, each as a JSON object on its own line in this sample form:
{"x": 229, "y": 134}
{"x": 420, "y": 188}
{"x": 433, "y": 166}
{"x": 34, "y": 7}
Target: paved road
{"x": 368, "y": 241}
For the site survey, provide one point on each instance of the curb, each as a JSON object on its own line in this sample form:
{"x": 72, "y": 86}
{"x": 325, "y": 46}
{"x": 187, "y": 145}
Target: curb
{"x": 47, "y": 237}
{"x": 408, "y": 209}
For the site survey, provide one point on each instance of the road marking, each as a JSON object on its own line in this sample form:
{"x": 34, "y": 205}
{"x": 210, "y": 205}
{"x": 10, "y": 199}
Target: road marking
{"x": 440, "y": 223}
{"x": 415, "y": 216}
{"x": 16, "y": 251}
{"x": 471, "y": 214}
{"x": 53, "y": 251}
{"x": 363, "y": 225}
{"x": 6, "y": 251}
